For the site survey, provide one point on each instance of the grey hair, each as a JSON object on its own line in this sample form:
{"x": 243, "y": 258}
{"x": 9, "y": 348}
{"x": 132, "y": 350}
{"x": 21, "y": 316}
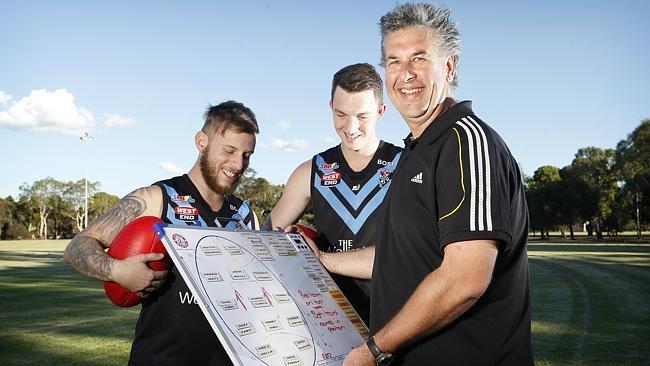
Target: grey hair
{"x": 424, "y": 15}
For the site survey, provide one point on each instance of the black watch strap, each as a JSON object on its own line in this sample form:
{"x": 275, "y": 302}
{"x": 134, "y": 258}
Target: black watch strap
{"x": 374, "y": 349}
{"x": 381, "y": 358}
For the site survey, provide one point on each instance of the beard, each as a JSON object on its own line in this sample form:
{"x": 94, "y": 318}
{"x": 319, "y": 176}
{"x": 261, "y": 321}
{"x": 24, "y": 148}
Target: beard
{"x": 210, "y": 174}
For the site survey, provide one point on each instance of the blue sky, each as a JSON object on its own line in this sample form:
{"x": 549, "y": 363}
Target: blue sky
{"x": 549, "y": 76}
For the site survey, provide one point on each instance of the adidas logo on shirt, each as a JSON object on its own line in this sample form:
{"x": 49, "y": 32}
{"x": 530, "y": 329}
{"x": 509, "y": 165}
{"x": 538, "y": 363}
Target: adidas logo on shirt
{"x": 417, "y": 178}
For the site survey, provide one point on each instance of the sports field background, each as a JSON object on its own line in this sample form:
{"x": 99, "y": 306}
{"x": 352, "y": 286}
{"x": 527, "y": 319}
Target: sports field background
{"x": 591, "y": 306}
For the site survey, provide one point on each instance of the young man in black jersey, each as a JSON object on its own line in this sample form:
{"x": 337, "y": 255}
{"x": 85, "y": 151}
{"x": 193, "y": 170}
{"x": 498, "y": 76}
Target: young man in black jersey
{"x": 346, "y": 184}
{"x": 171, "y": 329}
{"x": 450, "y": 283}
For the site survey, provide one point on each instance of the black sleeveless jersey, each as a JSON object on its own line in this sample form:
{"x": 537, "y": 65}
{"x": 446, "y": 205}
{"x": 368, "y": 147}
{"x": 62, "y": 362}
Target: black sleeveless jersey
{"x": 346, "y": 205}
{"x": 171, "y": 329}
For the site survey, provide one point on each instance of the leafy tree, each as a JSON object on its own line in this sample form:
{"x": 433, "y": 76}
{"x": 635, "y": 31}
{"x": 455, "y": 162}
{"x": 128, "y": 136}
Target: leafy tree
{"x": 543, "y": 199}
{"x": 24, "y": 218}
{"x": 41, "y": 195}
{"x": 54, "y": 208}
{"x": 633, "y": 169}
{"x": 7, "y": 207}
{"x": 100, "y": 203}
{"x": 593, "y": 167}
{"x": 74, "y": 194}
{"x": 59, "y": 221}
{"x": 577, "y": 200}
{"x": 620, "y": 216}
{"x": 12, "y": 219}
{"x": 259, "y": 193}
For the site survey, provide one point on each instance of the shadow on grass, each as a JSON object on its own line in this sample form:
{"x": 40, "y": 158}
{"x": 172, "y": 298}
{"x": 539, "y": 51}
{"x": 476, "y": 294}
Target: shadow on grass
{"x": 17, "y": 351}
{"x": 589, "y": 312}
{"x": 47, "y": 306}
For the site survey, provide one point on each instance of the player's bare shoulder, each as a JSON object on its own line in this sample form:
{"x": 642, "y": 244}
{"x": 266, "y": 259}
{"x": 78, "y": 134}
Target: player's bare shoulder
{"x": 303, "y": 171}
{"x": 152, "y": 197}
{"x": 145, "y": 201}
{"x": 299, "y": 181}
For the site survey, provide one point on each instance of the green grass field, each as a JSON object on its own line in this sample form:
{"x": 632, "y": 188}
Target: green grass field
{"x": 590, "y": 307}
{"x": 591, "y": 303}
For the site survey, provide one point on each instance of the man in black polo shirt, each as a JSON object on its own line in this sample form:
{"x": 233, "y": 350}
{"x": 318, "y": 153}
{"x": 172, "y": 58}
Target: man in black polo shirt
{"x": 450, "y": 282}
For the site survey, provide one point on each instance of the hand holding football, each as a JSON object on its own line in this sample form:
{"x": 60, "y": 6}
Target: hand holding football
{"x": 138, "y": 242}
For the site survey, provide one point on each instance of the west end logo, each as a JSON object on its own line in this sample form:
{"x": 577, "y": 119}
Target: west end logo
{"x": 331, "y": 179}
{"x": 186, "y": 213}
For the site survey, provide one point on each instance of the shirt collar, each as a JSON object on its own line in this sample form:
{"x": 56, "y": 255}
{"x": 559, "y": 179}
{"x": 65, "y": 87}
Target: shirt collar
{"x": 441, "y": 124}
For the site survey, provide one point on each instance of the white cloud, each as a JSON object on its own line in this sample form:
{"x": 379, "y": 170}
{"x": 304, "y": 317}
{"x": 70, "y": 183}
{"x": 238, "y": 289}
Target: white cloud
{"x": 284, "y": 125}
{"x": 4, "y": 97}
{"x": 288, "y": 146}
{"x": 171, "y": 168}
{"x": 113, "y": 119}
{"x": 47, "y": 111}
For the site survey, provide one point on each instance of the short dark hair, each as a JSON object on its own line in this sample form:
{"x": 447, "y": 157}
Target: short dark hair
{"x": 229, "y": 115}
{"x": 357, "y": 78}
{"x": 424, "y": 15}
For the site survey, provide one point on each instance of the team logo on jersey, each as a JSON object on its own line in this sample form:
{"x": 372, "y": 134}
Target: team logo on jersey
{"x": 384, "y": 177}
{"x": 180, "y": 240}
{"x": 178, "y": 198}
{"x": 186, "y": 213}
{"x": 331, "y": 166}
{"x": 331, "y": 179}
{"x": 233, "y": 207}
{"x": 356, "y": 187}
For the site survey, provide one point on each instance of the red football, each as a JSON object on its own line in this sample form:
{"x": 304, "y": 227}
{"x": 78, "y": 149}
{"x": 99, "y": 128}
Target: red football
{"x": 138, "y": 237}
{"x": 308, "y": 231}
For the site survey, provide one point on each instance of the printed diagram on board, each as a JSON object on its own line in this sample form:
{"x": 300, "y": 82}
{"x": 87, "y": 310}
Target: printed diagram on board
{"x": 269, "y": 300}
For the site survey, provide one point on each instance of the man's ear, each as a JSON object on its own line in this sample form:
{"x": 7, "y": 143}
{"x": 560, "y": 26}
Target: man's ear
{"x": 381, "y": 110}
{"x": 451, "y": 69}
{"x": 201, "y": 141}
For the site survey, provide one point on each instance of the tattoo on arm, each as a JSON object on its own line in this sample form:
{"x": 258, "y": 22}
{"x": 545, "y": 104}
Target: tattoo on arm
{"x": 87, "y": 256}
{"x": 86, "y": 250}
{"x": 124, "y": 211}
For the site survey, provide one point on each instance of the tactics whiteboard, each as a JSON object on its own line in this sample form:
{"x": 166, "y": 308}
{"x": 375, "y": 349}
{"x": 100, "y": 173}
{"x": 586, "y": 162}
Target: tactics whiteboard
{"x": 268, "y": 299}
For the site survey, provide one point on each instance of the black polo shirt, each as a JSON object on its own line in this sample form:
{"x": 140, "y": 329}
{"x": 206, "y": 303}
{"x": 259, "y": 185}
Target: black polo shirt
{"x": 457, "y": 181}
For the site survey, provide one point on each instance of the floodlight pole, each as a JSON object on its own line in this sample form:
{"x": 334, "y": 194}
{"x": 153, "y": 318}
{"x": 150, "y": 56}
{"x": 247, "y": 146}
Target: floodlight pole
{"x": 85, "y": 137}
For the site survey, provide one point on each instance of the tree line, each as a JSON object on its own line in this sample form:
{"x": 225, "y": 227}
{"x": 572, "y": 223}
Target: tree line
{"x": 51, "y": 209}
{"x": 606, "y": 190}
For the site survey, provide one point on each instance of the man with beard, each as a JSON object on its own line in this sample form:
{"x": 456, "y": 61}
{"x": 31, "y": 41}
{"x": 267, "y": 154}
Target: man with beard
{"x": 171, "y": 329}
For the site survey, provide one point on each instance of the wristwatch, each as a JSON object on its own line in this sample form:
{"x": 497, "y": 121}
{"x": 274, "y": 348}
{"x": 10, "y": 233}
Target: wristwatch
{"x": 381, "y": 358}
